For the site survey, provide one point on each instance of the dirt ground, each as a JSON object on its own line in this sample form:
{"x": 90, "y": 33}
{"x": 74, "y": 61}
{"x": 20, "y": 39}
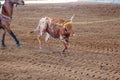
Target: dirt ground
{"x": 93, "y": 54}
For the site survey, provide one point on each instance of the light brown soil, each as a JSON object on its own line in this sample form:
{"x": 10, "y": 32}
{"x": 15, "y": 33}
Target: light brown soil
{"x": 93, "y": 54}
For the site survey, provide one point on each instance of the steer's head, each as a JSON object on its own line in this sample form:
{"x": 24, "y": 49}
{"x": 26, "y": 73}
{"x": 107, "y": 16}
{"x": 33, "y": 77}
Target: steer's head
{"x": 66, "y": 30}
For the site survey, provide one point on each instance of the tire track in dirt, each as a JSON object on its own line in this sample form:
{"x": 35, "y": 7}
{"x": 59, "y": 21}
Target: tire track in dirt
{"x": 71, "y": 73}
{"x": 70, "y": 67}
{"x": 99, "y": 47}
{"x": 55, "y": 65}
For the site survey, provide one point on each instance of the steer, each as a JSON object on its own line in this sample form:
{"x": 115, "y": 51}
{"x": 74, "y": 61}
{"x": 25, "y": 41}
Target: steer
{"x": 56, "y": 28}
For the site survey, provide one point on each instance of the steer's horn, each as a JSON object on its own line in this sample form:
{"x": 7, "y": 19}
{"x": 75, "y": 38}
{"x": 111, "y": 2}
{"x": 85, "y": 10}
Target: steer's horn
{"x": 72, "y": 17}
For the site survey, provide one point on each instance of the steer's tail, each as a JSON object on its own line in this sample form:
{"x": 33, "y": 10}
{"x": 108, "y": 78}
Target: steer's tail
{"x": 37, "y": 28}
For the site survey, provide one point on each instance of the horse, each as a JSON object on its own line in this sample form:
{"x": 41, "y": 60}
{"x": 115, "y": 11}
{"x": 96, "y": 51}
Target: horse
{"x": 6, "y": 18}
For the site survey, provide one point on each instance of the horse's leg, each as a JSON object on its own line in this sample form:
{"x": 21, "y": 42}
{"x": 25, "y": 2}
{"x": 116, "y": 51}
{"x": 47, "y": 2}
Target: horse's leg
{"x": 13, "y": 36}
{"x": 15, "y": 39}
{"x": 3, "y": 39}
{"x": 2, "y": 42}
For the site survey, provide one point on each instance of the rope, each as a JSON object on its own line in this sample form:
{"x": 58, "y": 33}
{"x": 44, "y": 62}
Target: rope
{"x": 110, "y": 20}
{"x": 67, "y": 23}
{"x": 64, "y": 26}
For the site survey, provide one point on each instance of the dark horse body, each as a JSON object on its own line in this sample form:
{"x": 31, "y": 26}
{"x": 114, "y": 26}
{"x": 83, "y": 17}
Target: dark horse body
{"x": 5, "y": 20}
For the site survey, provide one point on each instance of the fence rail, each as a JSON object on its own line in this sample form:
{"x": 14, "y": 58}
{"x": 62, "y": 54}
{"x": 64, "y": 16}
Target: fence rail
{"x": 61, "y": 1}
{"x": 105, "y": 1}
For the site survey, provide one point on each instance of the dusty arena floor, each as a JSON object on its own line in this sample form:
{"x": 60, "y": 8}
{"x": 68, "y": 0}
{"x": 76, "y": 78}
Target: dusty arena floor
{"x": 93, "y": 54}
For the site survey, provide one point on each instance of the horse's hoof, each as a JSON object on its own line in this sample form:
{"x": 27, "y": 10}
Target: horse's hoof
{"x": 3, "y": 46}
{"x": 19, "y": 45}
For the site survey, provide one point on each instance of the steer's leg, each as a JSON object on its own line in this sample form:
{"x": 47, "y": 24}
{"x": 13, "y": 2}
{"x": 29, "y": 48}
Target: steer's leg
{"x": 65, "y": 48}
{"x": 47, "y": 37}
{"x": 39, "y": 38}
{"x": 40, "y": 41}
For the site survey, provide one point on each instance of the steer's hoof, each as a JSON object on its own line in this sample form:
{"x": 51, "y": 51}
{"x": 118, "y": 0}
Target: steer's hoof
{"x": 40, "y": 48}
{"x": 63, "y": 54}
